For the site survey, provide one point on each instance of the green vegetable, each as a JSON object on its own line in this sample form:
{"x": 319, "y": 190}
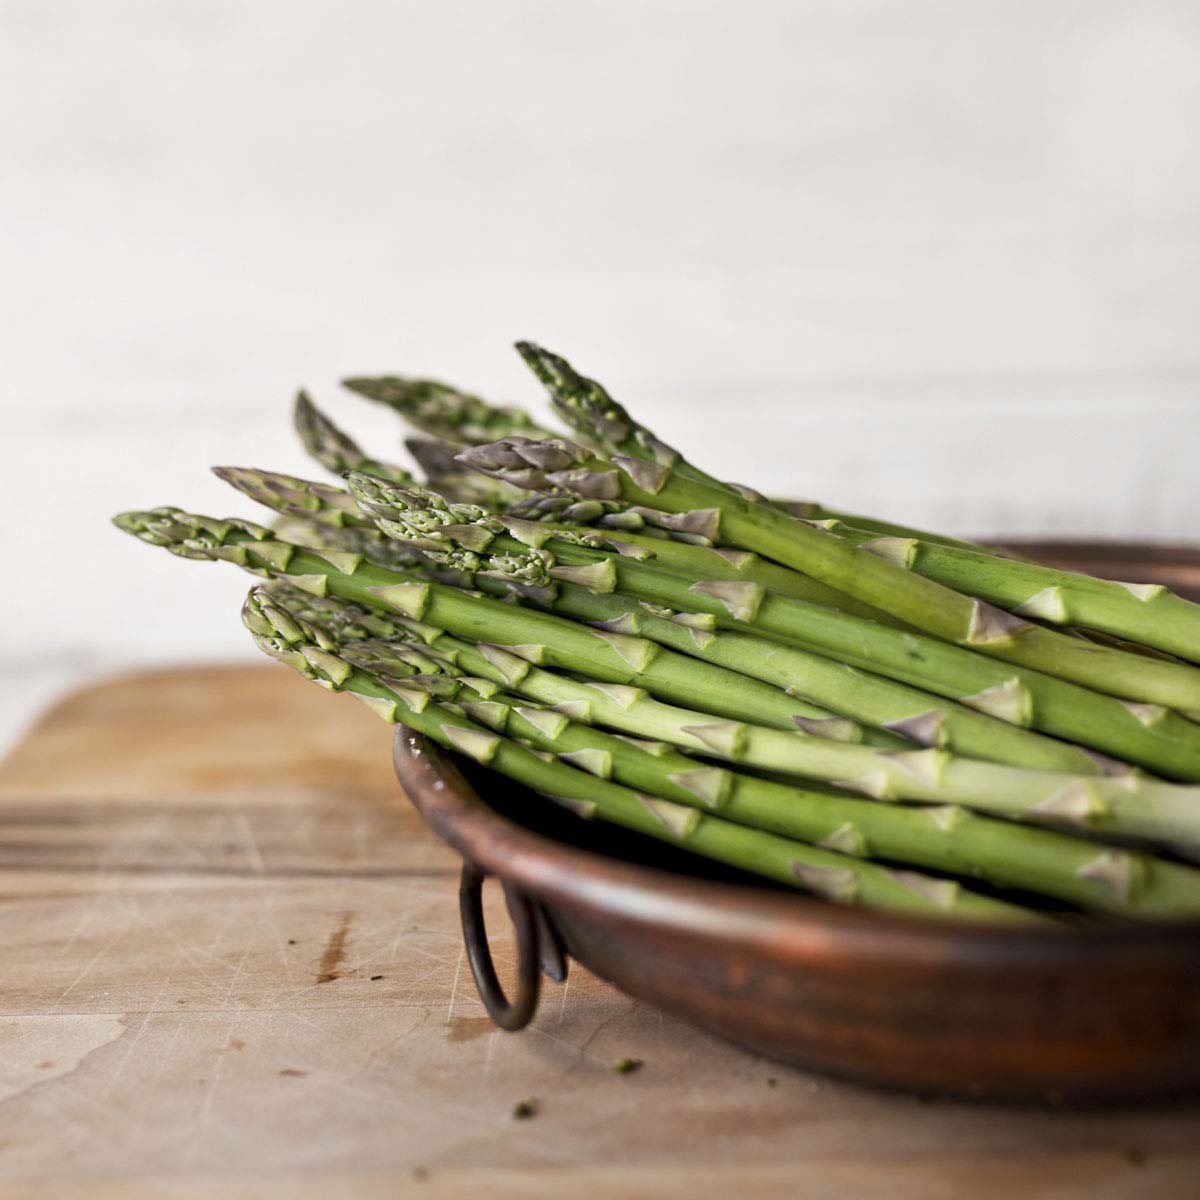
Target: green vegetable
{"x": 832, "y": 702}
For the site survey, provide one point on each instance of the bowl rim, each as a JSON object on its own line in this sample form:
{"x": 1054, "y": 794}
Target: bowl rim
{"x": 781, "y": 923}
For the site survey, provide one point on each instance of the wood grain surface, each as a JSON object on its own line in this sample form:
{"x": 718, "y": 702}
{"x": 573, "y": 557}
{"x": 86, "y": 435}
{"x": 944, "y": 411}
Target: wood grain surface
{"x": 231, "y": 966}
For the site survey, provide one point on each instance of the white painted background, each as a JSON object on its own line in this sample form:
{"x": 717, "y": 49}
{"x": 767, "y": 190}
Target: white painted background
{"x": 939, "y": 258}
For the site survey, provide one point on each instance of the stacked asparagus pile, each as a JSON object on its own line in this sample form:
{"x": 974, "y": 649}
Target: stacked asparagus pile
{"x": 871, "y": 713}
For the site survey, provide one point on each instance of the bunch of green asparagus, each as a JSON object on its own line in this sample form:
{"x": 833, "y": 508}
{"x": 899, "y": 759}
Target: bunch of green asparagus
{"x": 870, "y": 713}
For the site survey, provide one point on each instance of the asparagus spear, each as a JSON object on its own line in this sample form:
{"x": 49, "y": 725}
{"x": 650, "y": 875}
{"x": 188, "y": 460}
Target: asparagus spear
{"x": 1132, "y": 805}
{"x": 919, "y": 602}
{"x": 351, "y": 541}
{"x": 948, "y": 838}
{"x": 317, "y": 502}
{"x": 348, "y": 623}
{"x": 335, "y": 450}
{"x": 826, "y": 873}
{"x": 690, "y": 555}
{"x": 811, "y": 510}
{"x": 1135, "y": 612}
{"x": 561, "y": 508}
{"x": 445, "y": 474}
{"x": 445, "y": 412}
{"x": 538, "y": 554}
{"x": 598, "y": 419}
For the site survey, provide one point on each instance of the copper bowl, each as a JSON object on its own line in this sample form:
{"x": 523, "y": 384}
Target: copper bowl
{"x": 1108, "y": 1015}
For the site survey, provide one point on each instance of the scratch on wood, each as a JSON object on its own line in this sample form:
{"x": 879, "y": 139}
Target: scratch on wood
{"x": 200, "y": 1125}
{"x": 335, "y": 950}
{"x": 454, "y": 986}
{"x": 254, "y": 853}
{"x": 609, "y": 1020}
{"x": 493, "y": 1037}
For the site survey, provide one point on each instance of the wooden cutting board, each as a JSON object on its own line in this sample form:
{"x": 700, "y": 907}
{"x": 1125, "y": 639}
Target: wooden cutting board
{"x": 231, "y": 965}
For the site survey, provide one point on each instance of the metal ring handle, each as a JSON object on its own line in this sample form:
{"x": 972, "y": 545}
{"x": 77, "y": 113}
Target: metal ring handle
{"x": 508, "y": 1014}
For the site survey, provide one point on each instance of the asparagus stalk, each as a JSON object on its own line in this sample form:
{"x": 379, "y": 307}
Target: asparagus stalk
{"x": 350, "y": 624}
{"x": 915, "y": 600}
{"x": 692, "y": 556}
{"x": 810, "y": 510}
{"x": 352, "y": 542}
{"x": 1132, "y": 805}
{"x": 598, "y": 419}
{"x": 561, "y": 508}
{"x": 949, "y": 839}
{"x": 1006, "y": 697}
{"x": 1136, "y": 612}
{"x": 825, "y": 873}
{"x": 316, "y": 502}
{"x": 445, "y": 474}
{"x": 445, "y": 412}
{"x": 337, "y": 451}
